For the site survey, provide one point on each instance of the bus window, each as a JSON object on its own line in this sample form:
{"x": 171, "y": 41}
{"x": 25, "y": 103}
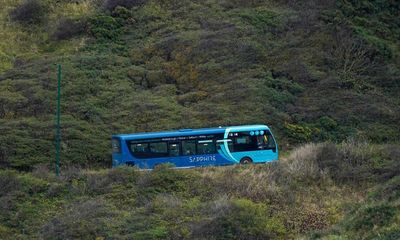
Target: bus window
{"x": 157, "y": 149}
{"x": 205, "y": 147}
{"x": 243, "y": 141}
{"x": 266, "y": 141}
{"x": 139, "y": 150}
{"x": 188, "y": 147}
{"x": 139, "y": 147}
{"x": 270, "y": 141}
{"x": 174, "y": 149}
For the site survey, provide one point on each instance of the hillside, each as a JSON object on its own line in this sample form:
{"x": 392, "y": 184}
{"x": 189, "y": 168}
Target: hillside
{"x": 320, "y": 191}
{"x": 313, "y": 71}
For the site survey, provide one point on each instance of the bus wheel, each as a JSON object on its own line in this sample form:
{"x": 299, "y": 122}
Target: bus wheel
{"x": 246, "y": 160}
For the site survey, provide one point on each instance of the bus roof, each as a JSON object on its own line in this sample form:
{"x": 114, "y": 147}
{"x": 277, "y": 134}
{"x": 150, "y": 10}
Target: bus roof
{"x": 188, "y": 132}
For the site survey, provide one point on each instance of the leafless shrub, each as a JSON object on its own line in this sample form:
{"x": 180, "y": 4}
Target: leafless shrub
{"x": 302, "y": 162}
{"x": 350, "y": 56}
{"x": 220, "y": 206}
{"x": 356, "y": 152}
{"x": 70, "y": 173}
{"x": 144, "y": 180}
{"x": 42, "y": 171}
{"x": 258, "y": 183}
{"x": 161, "y": 202}
{"x": 97, "y": 183}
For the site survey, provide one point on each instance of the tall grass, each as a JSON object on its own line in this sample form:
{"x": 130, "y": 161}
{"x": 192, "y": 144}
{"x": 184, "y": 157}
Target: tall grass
{"x": 308, "y": 191}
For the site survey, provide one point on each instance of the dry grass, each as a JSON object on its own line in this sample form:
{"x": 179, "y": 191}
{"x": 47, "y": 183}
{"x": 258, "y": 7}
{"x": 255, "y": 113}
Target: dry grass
{"x": 302, "y": 161}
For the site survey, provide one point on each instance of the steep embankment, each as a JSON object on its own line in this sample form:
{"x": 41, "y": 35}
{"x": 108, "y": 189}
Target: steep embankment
{"x": 313, "y": 70}
{"x": 349, "y": 191}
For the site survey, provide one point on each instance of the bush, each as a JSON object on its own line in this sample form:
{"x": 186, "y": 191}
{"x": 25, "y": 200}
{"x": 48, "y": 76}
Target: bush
{"x": 82, "y": 220}
{"x": 100, "y": 182}
{"x": 302, "y": 162}
{"x": 298, "y": 133}
{"x": 241, "y": 219}
{"x": 105, "y": 27}
{"x": 165, "y": 178}
{"x": 390, "y": 191}
{"x": 112, "y": 4}
{"x": 9, "y": 182}
{"x": 69, "y": 28}
{"x": 373, "y": 216}
{"x": 239, "y": 3}
{"x": 29, "y": 12}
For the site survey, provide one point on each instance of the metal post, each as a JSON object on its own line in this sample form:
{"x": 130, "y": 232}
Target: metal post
{"x": 58, "y": 133}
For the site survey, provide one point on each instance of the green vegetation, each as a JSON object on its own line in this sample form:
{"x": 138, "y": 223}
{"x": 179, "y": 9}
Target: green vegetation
{"x": 320, "y": 191}
{"x": 313, "y": 71}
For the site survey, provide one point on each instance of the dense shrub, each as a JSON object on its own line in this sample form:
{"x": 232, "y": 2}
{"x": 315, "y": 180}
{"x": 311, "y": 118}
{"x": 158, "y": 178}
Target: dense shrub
{"x": 83, "y": 220}
{"x": 241, "y": 219}
{"x": 239, "y": 3}
{"x": 372, "y": 216}
{"x": 9, "y": 181}
{"x": 68, "y": 28}
{"x": 390, "y": 191}
{"x": 104, "y": 27}
{"x": 112, "y": 4}
{"x": 298, "y": 133}
{"x": 102, "y": 182}
{"x": 166, "y": 179}
{"x": 29, "y": 12}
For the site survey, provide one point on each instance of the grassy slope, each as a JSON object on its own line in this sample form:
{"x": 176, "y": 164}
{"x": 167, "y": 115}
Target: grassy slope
{"x": 313, "y": 71}
{"x": 349, "y": 191}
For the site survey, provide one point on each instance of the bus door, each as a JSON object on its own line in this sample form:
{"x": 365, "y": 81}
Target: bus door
{"x": 267, "y": 146}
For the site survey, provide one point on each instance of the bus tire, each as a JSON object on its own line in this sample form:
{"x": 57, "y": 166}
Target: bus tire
{"x": 130, "y": 164}
{"x": 246, "y": 160}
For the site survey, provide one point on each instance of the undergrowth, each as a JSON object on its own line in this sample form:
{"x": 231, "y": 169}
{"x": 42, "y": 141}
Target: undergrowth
{"x": 319, "y": 191}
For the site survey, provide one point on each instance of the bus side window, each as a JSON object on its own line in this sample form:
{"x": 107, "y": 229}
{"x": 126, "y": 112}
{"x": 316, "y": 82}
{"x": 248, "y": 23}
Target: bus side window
{"x": 188, "y": 147}
{"x": 140, "y": 150}
{"x": 174, "y": 149}
{"x": 158, "y": 149}
{"x": 244, "y": 142}
{"x": 205, "y": 147}
{"x": 140, "y": 147}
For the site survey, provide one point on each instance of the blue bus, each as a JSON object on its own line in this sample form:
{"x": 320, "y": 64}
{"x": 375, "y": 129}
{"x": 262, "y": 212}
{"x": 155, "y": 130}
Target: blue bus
{"x": 188, "y": 148}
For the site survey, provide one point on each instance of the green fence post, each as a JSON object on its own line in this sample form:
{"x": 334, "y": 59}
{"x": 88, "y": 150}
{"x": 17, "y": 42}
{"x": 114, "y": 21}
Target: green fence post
{"x": 58, "y": 132}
